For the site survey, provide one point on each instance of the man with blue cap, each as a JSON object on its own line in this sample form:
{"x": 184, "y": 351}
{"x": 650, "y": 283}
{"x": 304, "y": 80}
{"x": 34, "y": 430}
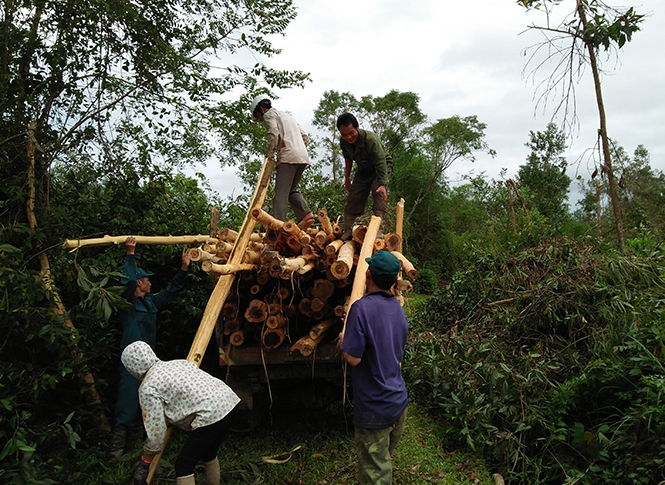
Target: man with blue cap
{"x": 139, "y": 323}
{"x": 373, "y": 343}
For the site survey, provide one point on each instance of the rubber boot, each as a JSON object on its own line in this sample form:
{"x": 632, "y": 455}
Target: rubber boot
{"x": 190, "y": 480}
{"x": 212, "y": 472}
{"x": 348, "y": 227}
{"x": 380, "y": 214}
{"x": 118, "y": 439}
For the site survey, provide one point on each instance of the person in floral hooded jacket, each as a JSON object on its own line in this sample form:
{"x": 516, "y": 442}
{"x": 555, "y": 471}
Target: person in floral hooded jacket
{"x": 177, "y": 392}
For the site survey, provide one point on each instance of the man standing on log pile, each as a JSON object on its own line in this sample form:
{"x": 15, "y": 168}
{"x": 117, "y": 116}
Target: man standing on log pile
{"x": 289, "y": 140}
{"x": 139, "y": 323}
{"x": 373, "y": 343}
{"x": 372, "y": 173}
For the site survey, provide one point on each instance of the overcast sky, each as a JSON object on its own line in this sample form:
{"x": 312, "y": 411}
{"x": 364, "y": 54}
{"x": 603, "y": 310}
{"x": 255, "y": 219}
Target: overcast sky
{"x": 466, "y": 58}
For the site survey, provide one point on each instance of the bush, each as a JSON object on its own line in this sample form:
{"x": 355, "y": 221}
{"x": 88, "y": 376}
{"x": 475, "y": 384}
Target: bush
{"x": 548, "y": 360}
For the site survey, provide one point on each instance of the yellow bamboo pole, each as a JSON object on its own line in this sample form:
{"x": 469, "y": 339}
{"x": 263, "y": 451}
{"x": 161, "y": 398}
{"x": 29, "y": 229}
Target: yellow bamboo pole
{"x": 358, "y": 289}
{"x": 399, "y": 224}
{"x": 75, "y": 244}
{"x": 223, "y": 286}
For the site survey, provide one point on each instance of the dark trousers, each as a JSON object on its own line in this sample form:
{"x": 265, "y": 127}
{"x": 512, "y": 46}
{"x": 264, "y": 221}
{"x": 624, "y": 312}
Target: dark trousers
{"x": 127, "y": 408}
{"x": 202, "y": 444}
{"x": 286, "y": 190}
{"x": 363, "y": 184}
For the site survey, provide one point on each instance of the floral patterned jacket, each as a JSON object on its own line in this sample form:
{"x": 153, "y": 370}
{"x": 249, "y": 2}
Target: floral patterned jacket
{"x": 175, "y": 392}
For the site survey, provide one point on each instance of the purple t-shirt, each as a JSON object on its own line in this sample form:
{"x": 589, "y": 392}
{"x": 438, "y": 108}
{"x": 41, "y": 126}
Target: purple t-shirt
{"x": 376, "y": 331}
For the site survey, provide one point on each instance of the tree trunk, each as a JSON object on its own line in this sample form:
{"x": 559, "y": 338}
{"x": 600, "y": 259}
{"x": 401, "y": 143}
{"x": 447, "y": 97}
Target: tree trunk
{"x": 614, "y": 192}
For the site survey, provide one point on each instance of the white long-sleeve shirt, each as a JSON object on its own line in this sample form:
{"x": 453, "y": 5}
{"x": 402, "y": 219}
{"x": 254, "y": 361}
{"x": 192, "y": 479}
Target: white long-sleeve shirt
{"x": 286, "y": 137}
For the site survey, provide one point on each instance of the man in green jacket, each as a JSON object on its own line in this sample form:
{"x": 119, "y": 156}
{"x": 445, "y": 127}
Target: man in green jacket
{"x": 139, "y": 322}
{"x": 373, "y": 166}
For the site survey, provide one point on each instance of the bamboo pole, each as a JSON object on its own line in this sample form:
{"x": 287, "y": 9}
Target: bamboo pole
{"x": 358, "y": 289}
{"x": 227, "y": 269}
{"x": 407, "y": 266}
{"x": 325, "y": 222}
{"x": 223, "y": 286}
{"x": 75, "y": 244}
{"x": 399, "y": 224}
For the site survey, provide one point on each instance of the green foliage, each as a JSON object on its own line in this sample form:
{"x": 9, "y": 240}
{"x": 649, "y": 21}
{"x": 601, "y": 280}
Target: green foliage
{"x": 548, "y": 360}
{"x": 545, "y": 174}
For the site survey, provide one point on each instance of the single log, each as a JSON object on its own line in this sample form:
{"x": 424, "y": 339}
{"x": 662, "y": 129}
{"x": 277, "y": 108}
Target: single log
{"x": 307, "y": 345}
{"x": 339, "y": 311}
{"x": 305, "y": 239}
{"x": 227, "y": 269}
{"x": 251, "y": 257}
{"x": 214, "y": 221}
{"x": 265, "y": 219}
{"x": 322, "y": 239}
{"x": 294, "y": 244}
{"x": 393, "y": 241}
{"x": 232, "y": 325}
{"x": 379, "y": 244}
{"x": 334, "y": 246}
{"x": 337, "y": 230}
{"x": 273, "y": 337}
{"x": 255, "y": 289}
{"x": 227, "y": 234}
{"x": 274, "y": 308}
{"x": 403, "y": 285}
{"x": 229, "y": 311}
{"x": 358, "y": 289}
{"x": 237, "y": 338}
{"x": 293, "y": 264}
{"x": 359, "y": 233}
{"x": 407, "y": 266}
{"x": 223, "y": 247}
{"x": 262, "y": 279}
{"x": 257, "y": 311}
{"x": 291, "y": 228}
{"x": 317, "y": 304}
{"x": 196, "y": 254}
{"x": 323, "y": 289}
{"x": 150, "y": 240}
{"x": 325, "y": 222}
{"x": 320, "y": 328}
{"x": 306, "y": 269}
{"x": 342, "y": 267}
{"x": 399, "y": 223}
{"x": 305, "y": 306}
{"x": 256, "y": 246}
{"x": 283, "y": 293}
{"x": 290, "y": 310}
{"x": 276, "y": 321}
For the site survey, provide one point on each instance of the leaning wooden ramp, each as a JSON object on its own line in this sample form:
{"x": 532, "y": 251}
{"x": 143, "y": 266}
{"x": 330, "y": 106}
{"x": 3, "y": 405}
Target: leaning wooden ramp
{"x": 223, "y": 286}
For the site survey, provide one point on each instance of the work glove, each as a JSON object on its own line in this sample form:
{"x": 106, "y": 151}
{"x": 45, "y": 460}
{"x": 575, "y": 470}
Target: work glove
{"x": 140, "y": 473}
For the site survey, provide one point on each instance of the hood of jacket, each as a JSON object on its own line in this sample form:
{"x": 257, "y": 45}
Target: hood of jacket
{"x": 138, "y": 358}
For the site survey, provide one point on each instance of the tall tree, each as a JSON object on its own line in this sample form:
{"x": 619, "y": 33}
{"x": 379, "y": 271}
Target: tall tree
{"x": 545, "y": 173}
{"x": 445, "y": 142}
{"x": 594, "y": 25}
{"x": 330, "y": 107}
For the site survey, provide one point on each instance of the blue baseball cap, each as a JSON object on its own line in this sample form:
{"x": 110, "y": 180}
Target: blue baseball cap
{"x": 384, "y": 266}
{"x": 140, "y": 273}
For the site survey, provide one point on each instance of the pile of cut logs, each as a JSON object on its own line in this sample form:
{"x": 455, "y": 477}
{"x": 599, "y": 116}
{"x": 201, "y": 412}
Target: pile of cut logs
{"x": 294, "y": 282}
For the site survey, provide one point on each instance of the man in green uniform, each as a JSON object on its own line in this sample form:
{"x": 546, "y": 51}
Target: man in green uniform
{"x": 373, "y": 166}
{"x": 139, "y": 322}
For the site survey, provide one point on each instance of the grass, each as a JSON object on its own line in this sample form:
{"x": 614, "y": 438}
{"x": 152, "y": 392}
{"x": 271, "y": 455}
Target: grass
{"x": 315, "y": 447}
{"x": 309, "y": 447}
